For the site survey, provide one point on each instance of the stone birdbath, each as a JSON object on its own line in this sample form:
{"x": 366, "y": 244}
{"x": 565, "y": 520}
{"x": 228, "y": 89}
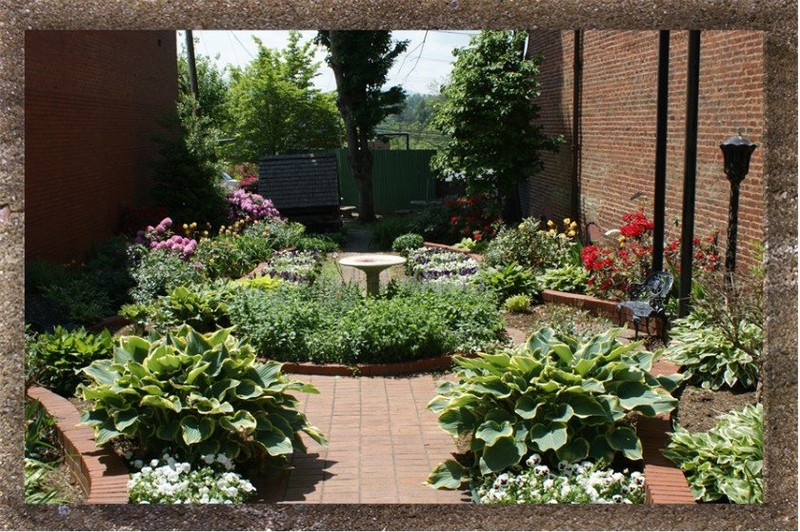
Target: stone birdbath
{"x": 372, "y": 265}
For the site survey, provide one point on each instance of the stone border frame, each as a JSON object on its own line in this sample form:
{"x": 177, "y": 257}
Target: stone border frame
{"x": 777, "y": 18}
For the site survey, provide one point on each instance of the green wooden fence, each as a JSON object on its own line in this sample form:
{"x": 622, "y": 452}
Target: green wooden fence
{"x": 398, "y": 178}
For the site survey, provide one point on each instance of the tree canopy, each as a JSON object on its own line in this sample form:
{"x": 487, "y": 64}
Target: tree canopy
{"x": 274, "y": 107}
{"x": 212, "y": 88}
{"x": 360, "y": 61}
{"x": 488, "y": 111}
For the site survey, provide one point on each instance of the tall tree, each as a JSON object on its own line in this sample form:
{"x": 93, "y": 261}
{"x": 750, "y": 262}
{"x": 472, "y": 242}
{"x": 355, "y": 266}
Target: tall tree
{"x": 212, "y": 88}
{"x": 488, "y": 110}
{"x": 275, "y": 108}
{"x": 360, "y": 61}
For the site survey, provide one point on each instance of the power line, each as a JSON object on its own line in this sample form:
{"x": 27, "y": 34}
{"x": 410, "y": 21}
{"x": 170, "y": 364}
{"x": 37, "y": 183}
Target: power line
{"x": 424, "y": 38}
{"x": 243, "y": 46}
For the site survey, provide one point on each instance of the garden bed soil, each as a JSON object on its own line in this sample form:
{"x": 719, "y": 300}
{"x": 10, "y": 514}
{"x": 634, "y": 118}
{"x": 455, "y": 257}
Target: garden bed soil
{"x": 60, "y": 478}
{"x": 698, "y": 408}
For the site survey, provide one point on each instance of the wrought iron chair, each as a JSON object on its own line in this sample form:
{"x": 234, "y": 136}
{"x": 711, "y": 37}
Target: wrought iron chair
{"x": 648, "y": 300}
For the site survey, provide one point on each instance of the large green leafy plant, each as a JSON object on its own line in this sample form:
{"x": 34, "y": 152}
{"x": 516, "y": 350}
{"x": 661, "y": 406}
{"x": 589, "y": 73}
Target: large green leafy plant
{"x": 558, "y": 397}
{"x": 726, "y": 461}
{"x": 54, "y": 359}
{"x": 198, "y": 393}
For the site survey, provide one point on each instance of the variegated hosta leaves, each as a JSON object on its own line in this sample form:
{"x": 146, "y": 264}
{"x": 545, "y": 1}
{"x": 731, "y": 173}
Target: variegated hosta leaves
{"x": 558, "y": 397}
{"x": 725, "y": 461}
{"x": 204, "y": 393}
{"x": 711, "y": 359}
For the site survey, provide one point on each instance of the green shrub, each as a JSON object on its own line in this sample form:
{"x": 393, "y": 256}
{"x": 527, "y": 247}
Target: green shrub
{"x": 567, "y": 278}
{"x": 708, "y": 355}
{"x": 517, "y": 304}
{"x": 198, "y": 393}
{"x": 278, "y": 234}
{"x": 40, "y": 274}
{"x": 231, "y": 256}
{"x": 386, "y": 230}
{"x": 54, "y": 360}
{"x": 108, "y": 263}
{"x": 407, "y": 242}
{"x": 533, "y": 247}
{"x": 203, "y": 308}
{"x": 319, "y": 243}
{"x": 508, "y": 280}
{"x": 158, "y": 271}
{"x": 560, "y": 398}
{"x": 80, "y": 300}
{"x": 726, "y": 461}
{"x": 328, "y": 322}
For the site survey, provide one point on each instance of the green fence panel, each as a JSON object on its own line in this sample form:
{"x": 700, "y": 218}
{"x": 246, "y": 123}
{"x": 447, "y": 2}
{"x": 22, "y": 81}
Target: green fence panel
{"x": 398, "y": 178}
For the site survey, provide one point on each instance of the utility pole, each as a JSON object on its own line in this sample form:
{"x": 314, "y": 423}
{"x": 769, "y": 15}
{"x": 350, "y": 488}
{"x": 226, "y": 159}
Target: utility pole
{"x": 192, "y": 66}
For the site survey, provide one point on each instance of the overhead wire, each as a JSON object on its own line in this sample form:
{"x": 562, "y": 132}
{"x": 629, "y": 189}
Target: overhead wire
{"x": 424, "y": 38}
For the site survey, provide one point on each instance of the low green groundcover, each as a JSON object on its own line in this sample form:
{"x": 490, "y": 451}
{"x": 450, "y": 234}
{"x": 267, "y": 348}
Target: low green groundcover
{"x": 334, "y": 323}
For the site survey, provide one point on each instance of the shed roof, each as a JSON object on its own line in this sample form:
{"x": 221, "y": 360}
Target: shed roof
{"x": 299, "y": 180}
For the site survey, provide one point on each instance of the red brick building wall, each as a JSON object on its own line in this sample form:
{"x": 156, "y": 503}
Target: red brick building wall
{"x": 618, "y": 133}
{"x": 92, "y": 102}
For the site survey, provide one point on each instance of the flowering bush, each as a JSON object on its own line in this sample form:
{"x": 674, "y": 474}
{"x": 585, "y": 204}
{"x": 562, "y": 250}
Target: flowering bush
{"x": 167, "y": 481}
{"x": 441, "y": 266}
{"x": 534, "y": 247}
{"x": 613, "y": 270}
{"x": 246, "y": 205}
{"x": 472, "y": 216}
{"x": 574, "y": 483}
{"x": 161, "y": 237}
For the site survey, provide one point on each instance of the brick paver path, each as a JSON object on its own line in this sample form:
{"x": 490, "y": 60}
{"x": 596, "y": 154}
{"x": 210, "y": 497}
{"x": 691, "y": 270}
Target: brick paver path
{"x": 383, "y": 444}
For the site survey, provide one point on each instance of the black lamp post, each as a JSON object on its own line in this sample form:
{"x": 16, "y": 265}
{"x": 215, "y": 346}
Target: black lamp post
{"x": 737, "y": 151}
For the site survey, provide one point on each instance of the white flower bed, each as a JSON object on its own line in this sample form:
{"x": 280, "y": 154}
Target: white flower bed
{"x": 167, "y": 481}
{"x": 572, "y": 483}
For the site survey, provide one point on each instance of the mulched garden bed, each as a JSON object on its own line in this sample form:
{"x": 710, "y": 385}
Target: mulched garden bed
{"x": 698, "y": 408}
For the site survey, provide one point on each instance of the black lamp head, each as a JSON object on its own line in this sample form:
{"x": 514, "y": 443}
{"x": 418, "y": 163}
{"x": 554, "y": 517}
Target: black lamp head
{"x": 737, "y": 151}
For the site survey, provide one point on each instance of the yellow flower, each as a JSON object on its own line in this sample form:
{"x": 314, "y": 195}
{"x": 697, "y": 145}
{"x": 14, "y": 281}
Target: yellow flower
{"x": 186, "y": 227}
{"x": 552, "y": 232}
{"x": 571, "y": 233}
{"x": 621, "y": 238}
{"x": 550, "y": 223}
{"x": 521, "y": 227}
{"x": 573, "y": 225}
{"x": 566, "y": 221}
{"x": 194, "y": 224}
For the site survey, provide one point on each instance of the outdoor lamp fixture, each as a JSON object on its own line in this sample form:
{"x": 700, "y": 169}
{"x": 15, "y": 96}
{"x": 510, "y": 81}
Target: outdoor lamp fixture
{"x": 737, "y": 151}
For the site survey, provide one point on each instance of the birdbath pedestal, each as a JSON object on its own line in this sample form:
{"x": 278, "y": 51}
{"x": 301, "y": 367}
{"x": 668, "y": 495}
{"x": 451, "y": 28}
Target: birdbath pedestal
{"x": 372, "y": 265}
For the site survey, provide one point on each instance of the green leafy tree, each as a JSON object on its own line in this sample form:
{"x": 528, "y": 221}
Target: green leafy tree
{"x": 360, "y": 61}
{"x": 274, "y": 107}
{"x": 212, "y": 88}
{"x": 416, "y": 120}
{"x": 488, "y": 110}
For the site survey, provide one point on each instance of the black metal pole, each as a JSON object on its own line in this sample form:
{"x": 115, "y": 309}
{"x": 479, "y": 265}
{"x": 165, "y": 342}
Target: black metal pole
{"x": 577, "y": 81}
{"x": 733, "y": 226}
{"x": 659, "y": 196}
{"x": 689, "y": 172}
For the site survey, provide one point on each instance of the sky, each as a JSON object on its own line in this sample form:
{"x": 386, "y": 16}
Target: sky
{"x": 422, "y": 68}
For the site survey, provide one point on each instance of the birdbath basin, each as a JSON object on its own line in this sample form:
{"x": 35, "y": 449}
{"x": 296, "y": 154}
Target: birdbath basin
{"x": 372, "y": 265}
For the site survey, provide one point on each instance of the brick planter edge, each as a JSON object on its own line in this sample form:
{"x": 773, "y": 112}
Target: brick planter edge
{"x": 101, "y": 474}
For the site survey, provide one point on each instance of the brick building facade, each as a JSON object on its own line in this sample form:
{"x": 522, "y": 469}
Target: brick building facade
{"x": 617, "y": 138}
{"x": 93, "y": 100}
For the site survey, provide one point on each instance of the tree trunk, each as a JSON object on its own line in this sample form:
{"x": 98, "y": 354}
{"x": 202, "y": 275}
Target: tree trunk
{"x": 511, "y": 207}
{"x": 359, "y": 158}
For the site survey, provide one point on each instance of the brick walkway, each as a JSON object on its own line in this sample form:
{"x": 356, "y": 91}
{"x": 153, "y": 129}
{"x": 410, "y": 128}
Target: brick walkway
{"x": 383, "y": 444}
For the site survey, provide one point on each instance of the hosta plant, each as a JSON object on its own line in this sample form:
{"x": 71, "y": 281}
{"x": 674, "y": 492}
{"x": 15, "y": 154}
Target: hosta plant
{"x": 198, "y": 393}
{"x": 54, "y": 359}
{"x": 567, "y": 278}
{"x": 203, "y": 308}
{"x": 726, "y": 461}
{"x": 560, "y": 398}
{"x": 508, "y": 280}
{"x": 709, "y": 356}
